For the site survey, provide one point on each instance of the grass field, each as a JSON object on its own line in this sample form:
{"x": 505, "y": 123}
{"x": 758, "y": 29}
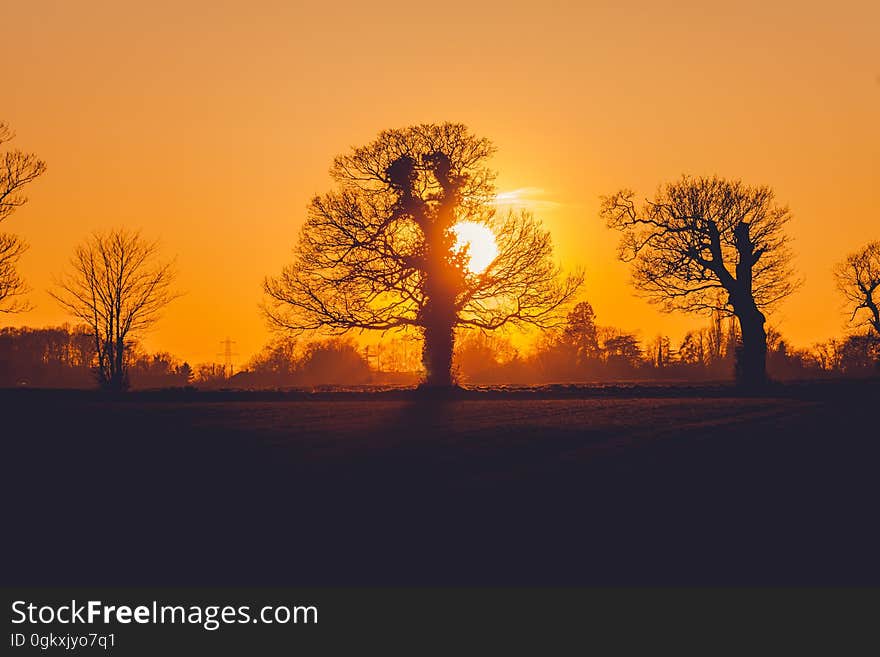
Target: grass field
{"x": 622, "y": 487}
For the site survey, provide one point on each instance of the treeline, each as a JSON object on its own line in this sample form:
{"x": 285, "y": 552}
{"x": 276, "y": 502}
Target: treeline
{"x": 580, "y": 352}
{"x": 66, "y": 357}
{"x": 288, "y": 362}
{"x": 625, "y": 358}
{"x": 586, "y": 352}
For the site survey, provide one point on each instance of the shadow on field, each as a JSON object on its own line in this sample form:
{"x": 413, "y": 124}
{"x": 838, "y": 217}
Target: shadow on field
{"x": 597, "y": 490}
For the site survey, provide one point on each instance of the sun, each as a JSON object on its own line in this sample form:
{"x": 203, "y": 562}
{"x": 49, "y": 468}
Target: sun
{"x": 480, "y": 241}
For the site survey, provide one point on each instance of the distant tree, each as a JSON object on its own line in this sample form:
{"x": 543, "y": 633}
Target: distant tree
{"x": 828, "y": 354}
{"x": 210, "y": 375}
{"x": 17, "y": 169}
{"x": 554, "y": 360}
{"x": 701, "y": 236}
{"x": 333, "y": 362}
{"x": 693, "y": 349}
{"x": 858, "y": 279}
{"x": 119, "y": 287}
{"x": 185, "y": 372}
{"x": 379, "y": 252}
{"x": 715, "y": 335}
{"x": 277, "y": 362}
{"x": 786, "y": 362}
{"x": 860, "y": 354}
{"x": 159, "y": 370}
{"x": 478, "y": 353}
{"x": 287, "y": 362}
{"x": 401, "y": 354}
{"x": 57, "y": 357}
{"x": 621, "y": 351}
{"x": 625, "y": 346}
{"x": 581, "y": 334}
{"x": 660, "y": 352}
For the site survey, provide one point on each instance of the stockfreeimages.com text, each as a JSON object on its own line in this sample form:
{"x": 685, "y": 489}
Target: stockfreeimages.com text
{"x": 211, "y": 617}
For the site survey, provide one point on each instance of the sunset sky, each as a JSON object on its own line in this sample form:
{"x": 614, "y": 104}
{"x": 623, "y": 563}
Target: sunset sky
{"x": 210, "y": 125}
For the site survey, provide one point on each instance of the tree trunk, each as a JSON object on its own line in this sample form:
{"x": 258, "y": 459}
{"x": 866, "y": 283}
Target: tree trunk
{"x": 439, "y": 336}
{"x": 443, "y": 279}
{"x": 875, "y": 314}
{"x": 103, "y": 373}
{"x": 751, "y": 358}
{"x": 118, "y": 381}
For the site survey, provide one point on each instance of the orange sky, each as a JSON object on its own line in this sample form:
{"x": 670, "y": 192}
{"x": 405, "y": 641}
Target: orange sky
{"x": 211, "y": 125}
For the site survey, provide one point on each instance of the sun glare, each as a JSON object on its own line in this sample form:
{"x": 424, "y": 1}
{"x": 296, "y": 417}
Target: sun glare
{"x": 480, "y": 241}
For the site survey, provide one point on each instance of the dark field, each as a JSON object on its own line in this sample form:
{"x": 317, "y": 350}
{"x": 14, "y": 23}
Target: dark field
{"x": 618, "y": 487}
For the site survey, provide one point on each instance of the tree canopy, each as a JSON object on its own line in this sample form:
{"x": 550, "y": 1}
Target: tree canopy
{"x": 17, "y": 169}
{"x": 709, "y": 244}
{"x": 118, "y": 286}
{"x": 858, "y": 279}
{"x": 379, "y": 251}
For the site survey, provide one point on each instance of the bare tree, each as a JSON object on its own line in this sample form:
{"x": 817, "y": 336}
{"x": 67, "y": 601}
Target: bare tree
{"x": 858, "y": 279}
{"x": 17, "y": 169}
{"x": 703, "y": 236}
{"x": 379, "y": 253}
{"x": 12, "y": 286}
{"x": 118, "y": 286}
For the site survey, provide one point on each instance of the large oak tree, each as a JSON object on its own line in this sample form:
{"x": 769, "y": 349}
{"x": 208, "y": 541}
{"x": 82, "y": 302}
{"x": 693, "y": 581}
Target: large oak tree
{"x": 709, "y": 244}
{"x": 379, "y": 251}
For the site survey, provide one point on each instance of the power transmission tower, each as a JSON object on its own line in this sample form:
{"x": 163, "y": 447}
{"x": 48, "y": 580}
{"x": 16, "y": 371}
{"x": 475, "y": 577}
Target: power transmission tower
{"x": 227, "y": 356}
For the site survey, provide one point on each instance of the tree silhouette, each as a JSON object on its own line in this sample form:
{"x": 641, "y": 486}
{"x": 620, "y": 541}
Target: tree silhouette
{"x": 620, "y": 350}
{"x": 118, "y": 286}
{"x": 659, "y": 352}
{"x": 378, "y": 253}
{"x": 11, "y": 283}
{"x": 17, "y": 169}
{"x": 56, "y": 357}
{"x": 478, "y": 353}
{"x": 581, "y": 334}
{"x": 709, "y": 244}
{"x": 858, "y": 279}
